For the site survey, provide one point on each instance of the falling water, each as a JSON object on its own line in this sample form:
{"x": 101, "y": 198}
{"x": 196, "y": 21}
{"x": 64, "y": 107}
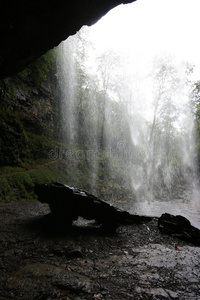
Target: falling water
{"x": 134, "y": 130}
{"x": 79, "y": 114}
{"x": 67, "y": 81}
{"x": 163, "y": 131}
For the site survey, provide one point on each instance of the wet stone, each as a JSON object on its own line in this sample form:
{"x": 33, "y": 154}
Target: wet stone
{"x": 86, "y": 263}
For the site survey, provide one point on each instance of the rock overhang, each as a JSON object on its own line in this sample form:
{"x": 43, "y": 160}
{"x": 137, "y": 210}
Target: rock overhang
{"x": 29, "y": 28}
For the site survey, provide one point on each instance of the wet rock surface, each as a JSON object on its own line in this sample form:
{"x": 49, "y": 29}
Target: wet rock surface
{"x": 137, "y": 262}
{"x": 179, "y": 226}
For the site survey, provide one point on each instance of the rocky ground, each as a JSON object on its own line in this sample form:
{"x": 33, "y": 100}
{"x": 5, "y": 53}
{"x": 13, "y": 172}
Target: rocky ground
{"x": 138, "y": 262}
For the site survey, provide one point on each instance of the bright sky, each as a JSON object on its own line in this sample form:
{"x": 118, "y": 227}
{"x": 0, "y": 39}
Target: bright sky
{"x": 146, "y": 28}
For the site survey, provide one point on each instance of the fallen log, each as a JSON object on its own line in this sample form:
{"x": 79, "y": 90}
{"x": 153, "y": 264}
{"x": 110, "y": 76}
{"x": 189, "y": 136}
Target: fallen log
{"x": 67, "y": 204}
{"x": 180, "y": 227}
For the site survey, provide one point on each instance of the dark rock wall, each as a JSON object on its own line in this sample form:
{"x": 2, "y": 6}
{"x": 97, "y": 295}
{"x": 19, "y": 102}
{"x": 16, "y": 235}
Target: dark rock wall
{"x": 29, "y": 28}
{"x": 29, "y": 119}
{"x": 31, "y": 144}
{"x": 29, "y": 132}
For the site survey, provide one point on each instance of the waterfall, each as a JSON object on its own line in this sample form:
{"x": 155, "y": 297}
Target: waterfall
{"x": 67, "y": 88}
{"x": 163, "y": 133}
{"x": 130, "y": 132}
{"x": 80, "y": 108}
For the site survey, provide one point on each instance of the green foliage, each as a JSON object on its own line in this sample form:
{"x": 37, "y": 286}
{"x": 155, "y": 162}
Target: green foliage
{"x": 16, "y": 184}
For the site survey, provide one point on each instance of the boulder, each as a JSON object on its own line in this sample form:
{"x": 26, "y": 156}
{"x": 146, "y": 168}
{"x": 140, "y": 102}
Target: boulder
{"x": 180, "y": 227}
{"x": 67, "y": 204}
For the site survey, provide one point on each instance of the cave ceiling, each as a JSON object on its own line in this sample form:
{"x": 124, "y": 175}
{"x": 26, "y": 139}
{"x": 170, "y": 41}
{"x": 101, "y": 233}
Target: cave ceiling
{"x": 29, "y": 28}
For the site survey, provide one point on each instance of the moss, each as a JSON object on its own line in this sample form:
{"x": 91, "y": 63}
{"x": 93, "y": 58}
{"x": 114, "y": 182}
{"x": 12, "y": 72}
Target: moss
{"x": 44, "y": 175}
{"x": 5, "y": 171}
{"x": 39, "y": 146}
{"x": 22, "y": 185}
{"x": 17, "y": 184}
{"x": 6, "y": 192}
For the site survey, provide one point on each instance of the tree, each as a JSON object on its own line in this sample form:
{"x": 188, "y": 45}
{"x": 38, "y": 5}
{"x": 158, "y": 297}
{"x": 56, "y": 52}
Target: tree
{"x": 195, "y": 98}
{"x": 166, "y": 153}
